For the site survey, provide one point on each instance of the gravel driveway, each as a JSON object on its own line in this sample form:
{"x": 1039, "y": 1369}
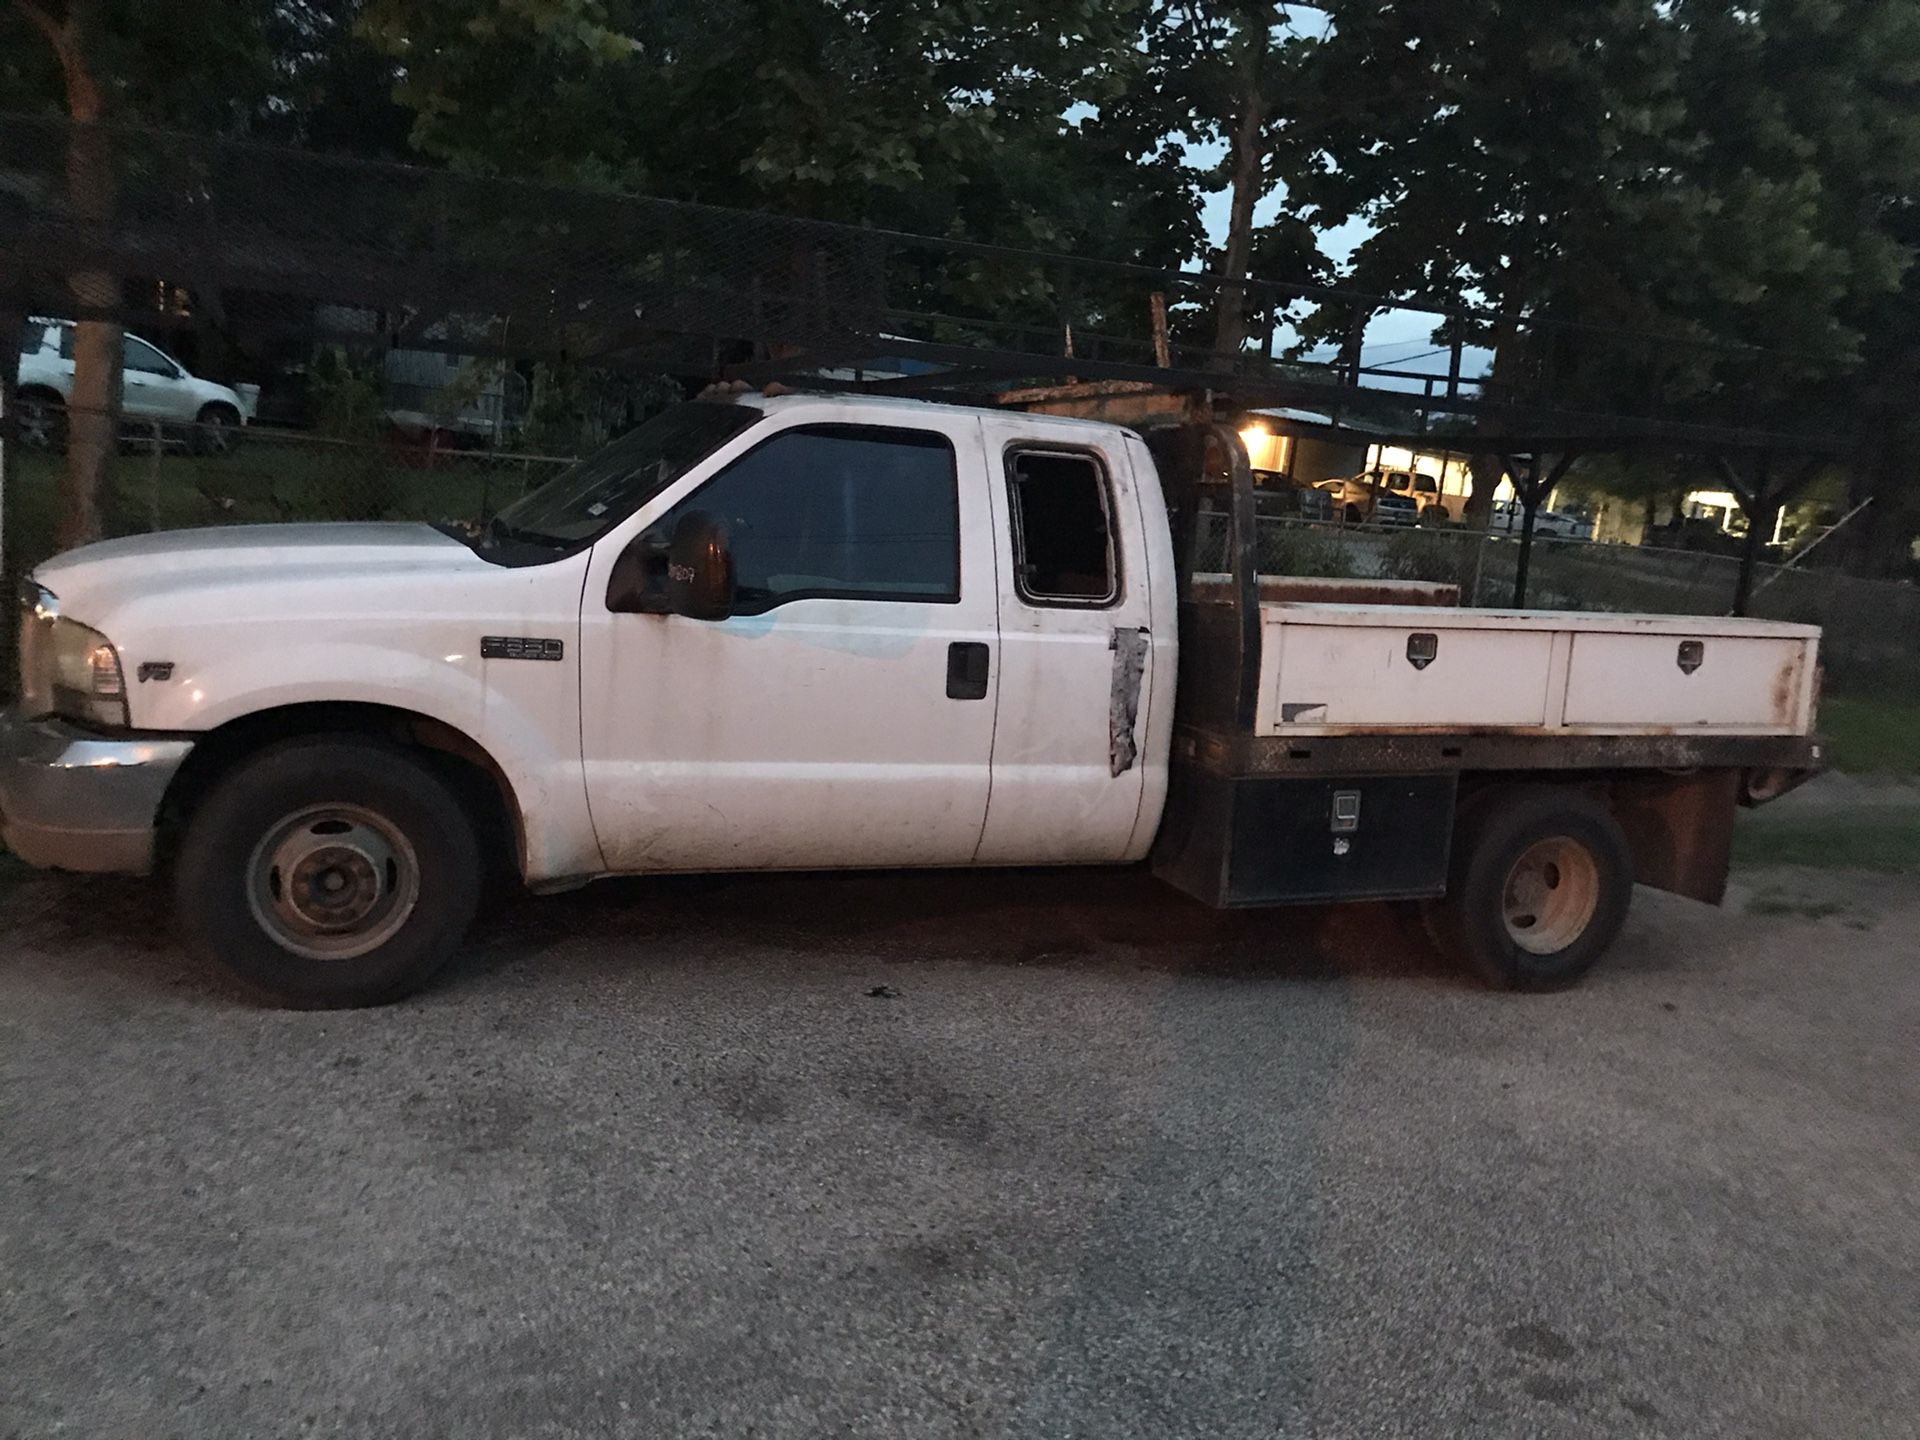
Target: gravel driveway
{"x": 1037, "y": 1155}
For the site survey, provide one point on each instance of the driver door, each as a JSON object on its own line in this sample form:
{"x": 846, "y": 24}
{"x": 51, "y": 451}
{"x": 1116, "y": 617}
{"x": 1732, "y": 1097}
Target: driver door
{"x": 843, "y": 715}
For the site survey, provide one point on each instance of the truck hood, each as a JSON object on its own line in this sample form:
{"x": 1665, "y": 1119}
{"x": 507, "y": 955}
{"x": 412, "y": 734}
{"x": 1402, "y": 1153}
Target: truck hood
{"x": 262, "y": 567}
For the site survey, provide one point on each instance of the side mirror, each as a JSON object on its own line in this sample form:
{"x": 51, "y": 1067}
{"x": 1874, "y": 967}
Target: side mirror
{"x": 691, "y": 574}
{"x": 700, "y": 568}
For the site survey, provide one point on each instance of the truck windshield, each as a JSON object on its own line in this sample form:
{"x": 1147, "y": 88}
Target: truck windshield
{"x": 590, "y": 497}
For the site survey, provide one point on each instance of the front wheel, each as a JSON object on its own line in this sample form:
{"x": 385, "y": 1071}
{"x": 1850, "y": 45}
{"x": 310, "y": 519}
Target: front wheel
{"x": 1540, "y": 884}
{"x": 329, "y": 872}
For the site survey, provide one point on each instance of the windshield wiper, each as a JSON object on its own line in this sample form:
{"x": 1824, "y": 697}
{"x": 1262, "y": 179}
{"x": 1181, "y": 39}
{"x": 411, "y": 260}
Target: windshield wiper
{"x": 498, "y": 529}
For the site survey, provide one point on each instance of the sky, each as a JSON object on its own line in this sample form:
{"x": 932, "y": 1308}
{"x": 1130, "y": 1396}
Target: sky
{"x": 1395, "y": 337}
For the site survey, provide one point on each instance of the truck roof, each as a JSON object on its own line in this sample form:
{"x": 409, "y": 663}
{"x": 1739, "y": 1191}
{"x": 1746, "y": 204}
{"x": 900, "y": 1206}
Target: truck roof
{"x": 835, "y": 400}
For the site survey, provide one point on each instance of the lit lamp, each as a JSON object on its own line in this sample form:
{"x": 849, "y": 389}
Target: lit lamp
{"x": 1263, "y": 447}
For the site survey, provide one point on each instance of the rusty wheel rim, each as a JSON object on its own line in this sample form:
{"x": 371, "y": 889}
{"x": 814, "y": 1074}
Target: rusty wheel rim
{"x": 1551, "y": 895}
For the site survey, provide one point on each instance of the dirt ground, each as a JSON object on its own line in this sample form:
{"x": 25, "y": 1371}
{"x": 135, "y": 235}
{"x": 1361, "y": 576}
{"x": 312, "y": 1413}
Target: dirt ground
{"x": 968, "y": 1155}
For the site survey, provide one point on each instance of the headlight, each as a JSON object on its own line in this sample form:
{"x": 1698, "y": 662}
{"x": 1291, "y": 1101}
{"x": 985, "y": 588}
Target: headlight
{"x": 67, "y": 668}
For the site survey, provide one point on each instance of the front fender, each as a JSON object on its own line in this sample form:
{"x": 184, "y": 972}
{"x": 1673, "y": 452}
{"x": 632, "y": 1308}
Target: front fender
{"x": 530, "y": 731}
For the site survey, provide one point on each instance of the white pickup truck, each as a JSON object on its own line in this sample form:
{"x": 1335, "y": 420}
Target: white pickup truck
{"x": 819, "y": 632}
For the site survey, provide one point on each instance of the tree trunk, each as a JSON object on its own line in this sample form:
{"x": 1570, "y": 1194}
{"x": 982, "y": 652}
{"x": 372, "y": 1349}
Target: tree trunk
{"x": 93, "y": 413}
{"x": 1486, "y": 471}
{"x": 10, "y": 322}
{"x": 1246, "y": 161}
{"x": 93, "y": 406}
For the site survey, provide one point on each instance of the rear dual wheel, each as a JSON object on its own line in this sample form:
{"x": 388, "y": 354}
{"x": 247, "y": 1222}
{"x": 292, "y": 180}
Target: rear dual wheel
{"x": 1539, "y": 887}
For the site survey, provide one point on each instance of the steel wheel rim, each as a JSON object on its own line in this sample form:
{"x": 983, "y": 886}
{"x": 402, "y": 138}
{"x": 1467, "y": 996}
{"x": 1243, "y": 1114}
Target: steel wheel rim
{"x": 1551, "y": 895}
{"x": 36, "y": 425}
{"x": 333, "y": 882}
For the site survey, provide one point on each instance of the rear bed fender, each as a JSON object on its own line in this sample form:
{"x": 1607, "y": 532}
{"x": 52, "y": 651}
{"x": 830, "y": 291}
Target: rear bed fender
{"x": 1681, "y": 828}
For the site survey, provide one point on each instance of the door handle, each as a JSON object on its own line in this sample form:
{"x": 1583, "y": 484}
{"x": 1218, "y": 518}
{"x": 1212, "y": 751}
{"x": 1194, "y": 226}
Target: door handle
{"x": 967, "y": 670}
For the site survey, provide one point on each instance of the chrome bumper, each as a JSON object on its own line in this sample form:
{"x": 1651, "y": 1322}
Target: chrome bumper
{"x": 73, "y": 800}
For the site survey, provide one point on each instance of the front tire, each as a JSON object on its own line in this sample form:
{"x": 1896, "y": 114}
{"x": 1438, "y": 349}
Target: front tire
{"x": 329, "y": 872}
{"x": 1540, "y": 884}
{"x": 43, "y": 421}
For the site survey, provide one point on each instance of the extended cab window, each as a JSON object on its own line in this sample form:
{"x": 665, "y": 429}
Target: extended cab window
{"x": 850, "y": 511}
{"x": 1062, "y": 528}
{"x": 32, "y": 335}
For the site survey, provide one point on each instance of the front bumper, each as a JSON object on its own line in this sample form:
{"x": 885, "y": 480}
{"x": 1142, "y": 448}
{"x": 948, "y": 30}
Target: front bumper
{"x": 74, "y": 800}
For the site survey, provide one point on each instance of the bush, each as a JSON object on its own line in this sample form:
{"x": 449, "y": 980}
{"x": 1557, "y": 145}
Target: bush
{"x": 1304, "y": 551}
{"x": 1435, "y": 555}
{"x": 348, "y": 404}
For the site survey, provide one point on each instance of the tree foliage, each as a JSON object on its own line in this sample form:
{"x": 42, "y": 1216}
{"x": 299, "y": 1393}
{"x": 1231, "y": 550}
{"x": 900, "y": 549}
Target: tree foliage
{"x": 1705, "y": 207}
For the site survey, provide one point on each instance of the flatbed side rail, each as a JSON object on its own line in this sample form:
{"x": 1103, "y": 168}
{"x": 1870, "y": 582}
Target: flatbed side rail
{"x": 1240, "y": 755}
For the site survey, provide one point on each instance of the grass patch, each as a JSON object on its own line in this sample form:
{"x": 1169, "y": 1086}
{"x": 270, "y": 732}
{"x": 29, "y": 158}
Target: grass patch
{"x": 1853, "y": 840}
{"x": 1872, "y": 735}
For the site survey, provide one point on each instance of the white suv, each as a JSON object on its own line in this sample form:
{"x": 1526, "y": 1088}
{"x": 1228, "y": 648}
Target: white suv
{"x": 154, "y": 387}
{"x": 1548, "y": 524}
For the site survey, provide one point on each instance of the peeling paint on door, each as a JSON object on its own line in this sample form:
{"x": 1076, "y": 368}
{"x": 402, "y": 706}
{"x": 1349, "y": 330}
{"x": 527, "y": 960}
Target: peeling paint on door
{"x": 1129, "y": 663}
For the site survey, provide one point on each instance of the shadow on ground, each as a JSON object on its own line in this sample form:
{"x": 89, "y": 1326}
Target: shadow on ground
{"x": 1012, "y": 918}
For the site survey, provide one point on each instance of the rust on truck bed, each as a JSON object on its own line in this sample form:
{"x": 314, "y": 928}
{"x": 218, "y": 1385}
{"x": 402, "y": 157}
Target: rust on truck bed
{"x": 1435, "y": 752}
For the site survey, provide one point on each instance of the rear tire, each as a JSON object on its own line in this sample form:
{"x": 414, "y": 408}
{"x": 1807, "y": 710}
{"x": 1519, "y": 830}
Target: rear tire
{"x": 1540, "y": 883}
{"x": 329, "y": 872}
{"x": 43, "y": 421}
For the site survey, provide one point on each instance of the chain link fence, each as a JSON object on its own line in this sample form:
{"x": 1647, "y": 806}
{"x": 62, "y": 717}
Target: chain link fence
{"x": 172, "y": 477}
{"x": 458, "y": 300}
{"x": 182, "y": 476}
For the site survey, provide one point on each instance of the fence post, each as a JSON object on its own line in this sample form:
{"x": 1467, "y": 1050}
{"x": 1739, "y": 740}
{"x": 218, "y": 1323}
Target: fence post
{"x": 153, "y": 476}
{"x": 11, "y": 323}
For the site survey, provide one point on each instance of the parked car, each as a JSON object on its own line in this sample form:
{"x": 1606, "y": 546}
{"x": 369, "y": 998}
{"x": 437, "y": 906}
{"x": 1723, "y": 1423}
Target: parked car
{"x": 1287, "y": 499}
{"x": 1366, "y": 499}
{"x": 154, "y": 387}
{"x": 964, "y": 627}
{"x": 1423, "y": 490}
{"x": 1549, "y": 524}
